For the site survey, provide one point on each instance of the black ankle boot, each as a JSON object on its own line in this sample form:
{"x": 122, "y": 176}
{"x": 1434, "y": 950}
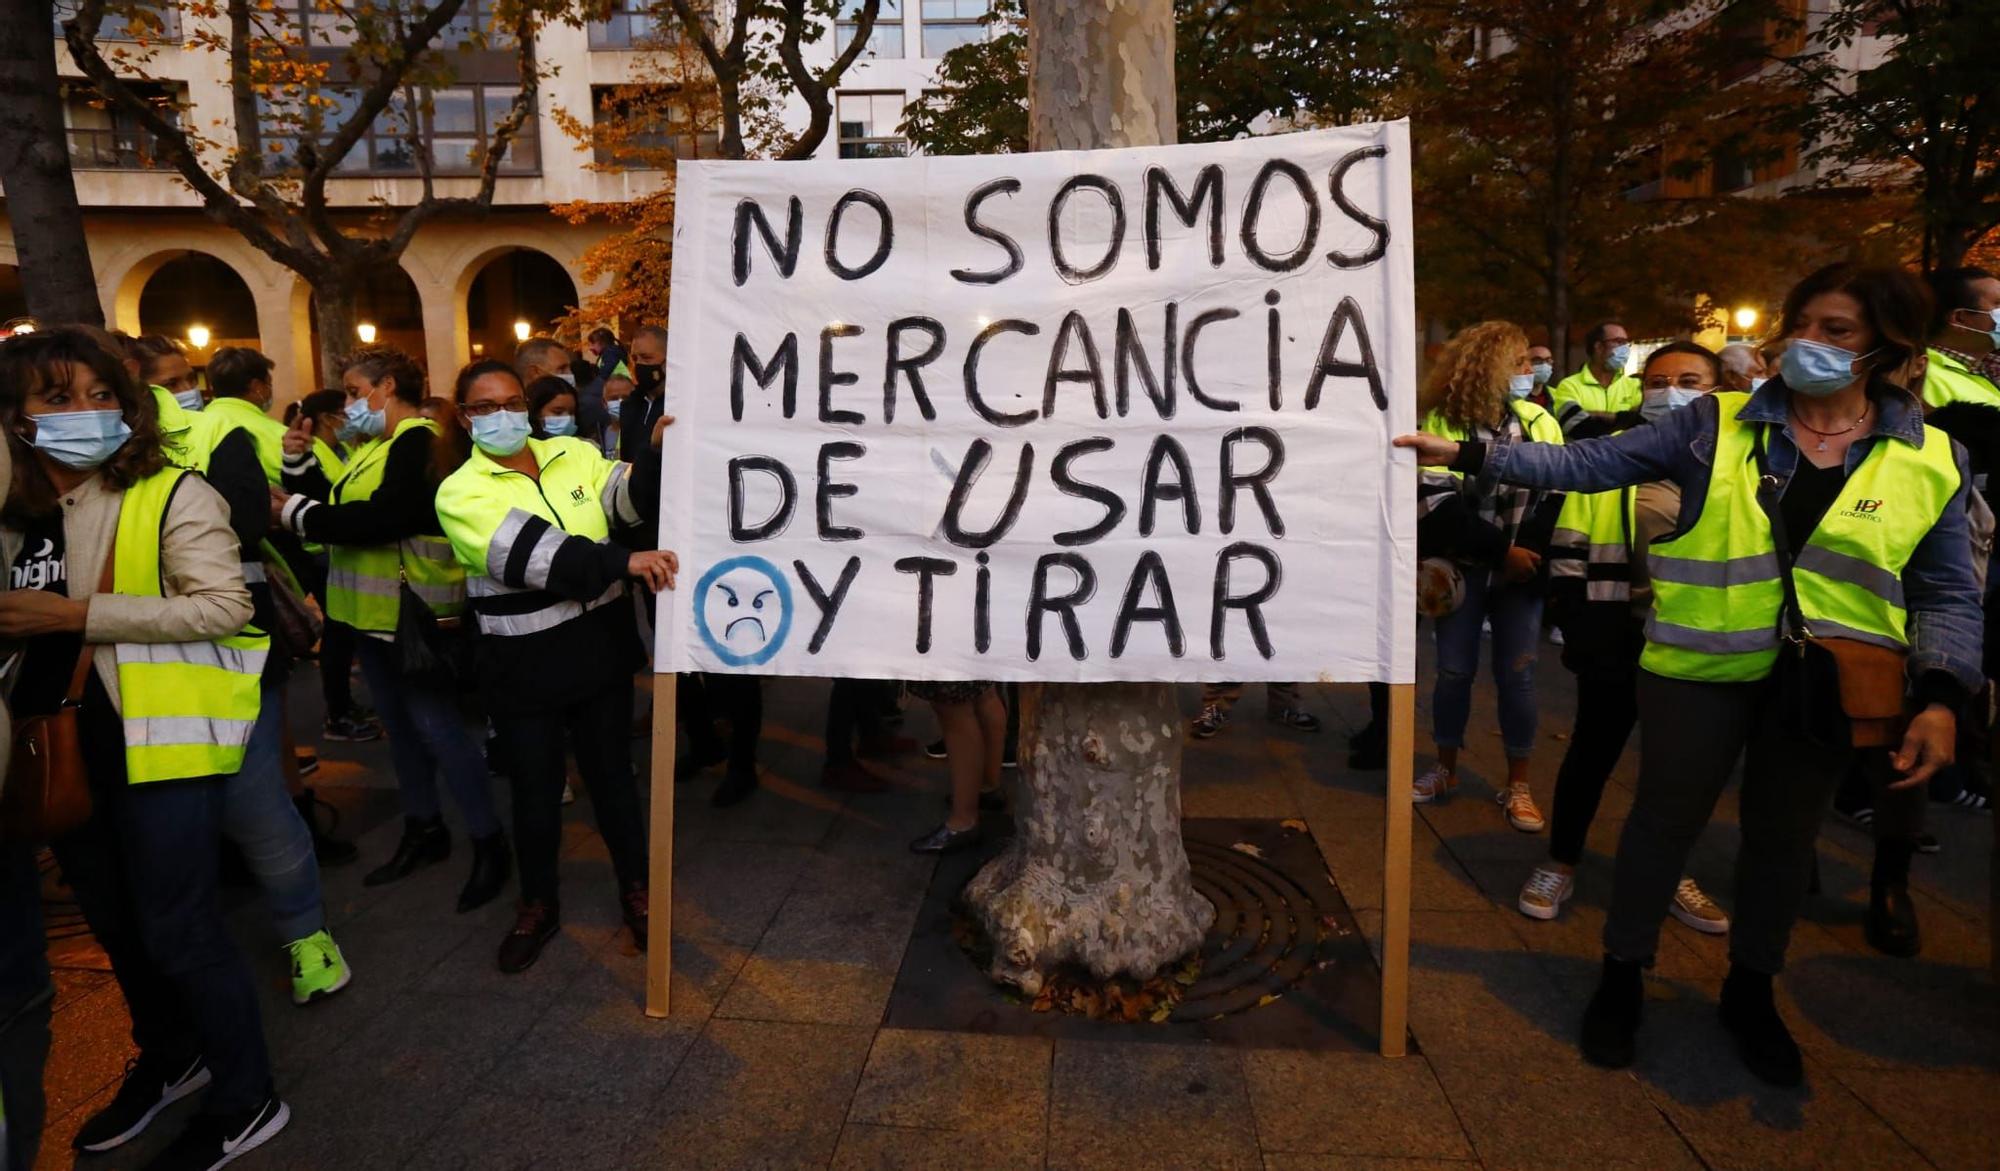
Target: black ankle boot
{"x": 491, "y": 865}
{"x": 1892, "y": 914}
{"x": 424, "y": 841}
{"x": 1611, "y": 1021}
{"x": 1750, "y": 1013}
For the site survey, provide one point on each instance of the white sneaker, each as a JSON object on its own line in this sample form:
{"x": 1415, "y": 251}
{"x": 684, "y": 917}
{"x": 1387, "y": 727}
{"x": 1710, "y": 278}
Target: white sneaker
{"x": 1435, "y": 785}
{"x": 1697, "y": 910}
{"x": 1521, "y": 811}
{"x": 1546, "y": 890}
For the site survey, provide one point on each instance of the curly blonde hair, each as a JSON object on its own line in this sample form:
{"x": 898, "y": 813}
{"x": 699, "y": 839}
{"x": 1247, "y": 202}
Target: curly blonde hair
{"x": 1468, "y": 384}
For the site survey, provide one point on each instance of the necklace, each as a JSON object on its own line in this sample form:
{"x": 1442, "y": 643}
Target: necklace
{"x": 1826, "y": 435}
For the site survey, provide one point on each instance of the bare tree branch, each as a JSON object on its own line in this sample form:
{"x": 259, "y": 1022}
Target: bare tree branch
{"x": 221, "y": 205}
{"x": 816, "y": 87}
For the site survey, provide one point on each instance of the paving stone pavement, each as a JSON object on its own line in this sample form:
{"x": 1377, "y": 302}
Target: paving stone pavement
{"x": 790, "y": 917}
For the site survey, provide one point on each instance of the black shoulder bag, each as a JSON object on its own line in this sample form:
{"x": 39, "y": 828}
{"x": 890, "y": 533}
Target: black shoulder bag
{"x": 432, "y": 651}
{"x": 1835, "y": 692}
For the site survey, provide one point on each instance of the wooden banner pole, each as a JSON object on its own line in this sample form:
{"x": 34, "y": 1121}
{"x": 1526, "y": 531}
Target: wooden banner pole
{"x": 660, "y": 847}
{"x": 1396, "y": 871}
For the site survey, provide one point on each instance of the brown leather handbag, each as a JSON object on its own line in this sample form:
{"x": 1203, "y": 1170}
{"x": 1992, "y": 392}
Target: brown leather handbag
{"x": 48, "y": 790}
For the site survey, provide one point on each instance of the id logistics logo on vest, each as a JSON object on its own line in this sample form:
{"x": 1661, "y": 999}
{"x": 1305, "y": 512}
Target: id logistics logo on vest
{"x": 1865, "y": 509}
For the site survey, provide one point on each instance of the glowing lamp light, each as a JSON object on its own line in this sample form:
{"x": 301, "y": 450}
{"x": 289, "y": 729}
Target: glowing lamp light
{"x": 478, "y": 349}
{"x": 24, "y": 327}
{"x": 366, "y": 332}
{"x": 198, "y": 336}
{"x": 522, "y": 330}
{"x": 1746, "y": 318}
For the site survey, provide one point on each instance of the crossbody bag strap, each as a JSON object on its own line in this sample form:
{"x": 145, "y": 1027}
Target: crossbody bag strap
{"x": 81, "y": 675}
{"x": 1794, "y": 618}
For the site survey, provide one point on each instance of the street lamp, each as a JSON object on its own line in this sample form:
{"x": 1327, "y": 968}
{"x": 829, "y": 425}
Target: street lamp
{"x": 1746, "y": 319}
{"x": 198, "y": 336}
{"x": 521, "y": 331}
{"x": 366, "y": 332}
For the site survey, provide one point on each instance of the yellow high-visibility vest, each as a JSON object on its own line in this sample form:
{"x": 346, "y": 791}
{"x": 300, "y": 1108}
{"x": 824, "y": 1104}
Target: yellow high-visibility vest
{"x": 1718, "y": 589}
{"x": 188, "y": 707}
{"x": 362, "y": 580}
{"x": 1948, "y": 380}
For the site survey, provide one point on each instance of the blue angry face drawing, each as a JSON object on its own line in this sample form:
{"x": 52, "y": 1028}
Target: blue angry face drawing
{"x": 743, "y": 610}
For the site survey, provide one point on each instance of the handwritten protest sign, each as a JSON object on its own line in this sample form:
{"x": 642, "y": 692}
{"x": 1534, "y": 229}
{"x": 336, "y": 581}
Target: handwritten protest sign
{"x": 1104, "y": 415}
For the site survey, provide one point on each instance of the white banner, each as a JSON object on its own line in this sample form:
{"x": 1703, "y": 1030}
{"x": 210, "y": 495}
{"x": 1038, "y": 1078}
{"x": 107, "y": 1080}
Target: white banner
{"x": 1098, "y": 415}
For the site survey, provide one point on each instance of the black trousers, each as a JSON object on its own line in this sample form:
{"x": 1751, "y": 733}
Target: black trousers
{"x": 1607, "y": 708}
{"x": 145, "y": 871}
{"x": 853, "y": 706}
{"x": 25, "y": 1000}
{"x": 1691, "y": 736}
{"x": 599, "y": 731}
{"x": 705, "y": 698}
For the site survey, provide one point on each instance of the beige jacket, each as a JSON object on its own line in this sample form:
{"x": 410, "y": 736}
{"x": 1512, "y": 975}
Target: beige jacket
{"x": 203, "y": 579}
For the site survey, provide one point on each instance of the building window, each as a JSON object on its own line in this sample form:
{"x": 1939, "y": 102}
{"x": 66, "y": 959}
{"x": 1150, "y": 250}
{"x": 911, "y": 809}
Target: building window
{"x": 885, "y": 40}
{"x": 455, "y": 130}
{"x": 644, "y": 24}
{"x": 135, "y": 20}
{"x": 951, "y": 23}
{"x": 103, "y": 137}
{"x": 331, "y": 26}
{"x": 870, "y": 125}
{"x": 657, "y": 124}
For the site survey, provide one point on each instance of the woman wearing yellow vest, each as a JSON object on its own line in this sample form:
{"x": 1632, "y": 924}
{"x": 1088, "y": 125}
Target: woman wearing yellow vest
{"x": 1496, "y": 536}
{"x": 379, "y": 523}
{"x": 127, "y": 595}
{"x": 530, "y": 520}
{"x": 1601, "y": 596}
{"x": 1873, "y": 501}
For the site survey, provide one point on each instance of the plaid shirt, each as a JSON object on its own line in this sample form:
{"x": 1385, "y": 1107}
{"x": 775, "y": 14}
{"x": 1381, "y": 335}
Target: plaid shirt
{"x": 1503, "y": 506}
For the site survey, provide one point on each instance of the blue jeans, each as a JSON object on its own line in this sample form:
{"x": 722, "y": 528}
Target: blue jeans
{"x": 145, "y": 874}
{"x": 1517, "y": 625}
{"x": 427, "y": 739}
{"x": 258, "y": 815}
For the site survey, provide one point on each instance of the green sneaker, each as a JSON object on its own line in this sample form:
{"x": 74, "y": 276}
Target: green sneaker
{"x": 318, "y": 969}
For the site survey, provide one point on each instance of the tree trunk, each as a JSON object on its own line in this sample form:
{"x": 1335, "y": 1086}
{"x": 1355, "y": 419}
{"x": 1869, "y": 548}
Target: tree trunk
{"x": 1556, "y": 239}
{"x": 56, "y": 273}
{"x": 333, "y": 316}
{"x": 1096, "y": 874}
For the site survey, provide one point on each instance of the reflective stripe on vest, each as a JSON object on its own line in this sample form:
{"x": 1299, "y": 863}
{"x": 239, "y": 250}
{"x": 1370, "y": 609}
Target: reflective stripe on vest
{"x": 1717, "y": 588}
{"x": 1593, "y": 541}
{"x": 187, "y": 708}
{"x": 548, "y": 616}
{"x": 362, "y": 580}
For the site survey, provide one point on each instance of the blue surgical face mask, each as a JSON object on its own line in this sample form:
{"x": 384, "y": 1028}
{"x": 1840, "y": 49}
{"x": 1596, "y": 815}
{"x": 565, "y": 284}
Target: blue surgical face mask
{"x": 1816, "y": 369}
{"x": 1620, "y": 354}
{"x": 1520, "y": 385}
{"x": 1543, "y": 371}
{"x": 190, "y": 400}
{"x": 501, "y": 433}
{"x": 1757, "y": 383}
{"x": 1659, "y": 404}
{"x": 362, "y": 422}
{"x": 81, "y": 439}
{"x": 611, "y": 408}
{"x": 568, "y": 376}
{"x": 1992, "y": 319}
{"x": 559, "y": 424}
